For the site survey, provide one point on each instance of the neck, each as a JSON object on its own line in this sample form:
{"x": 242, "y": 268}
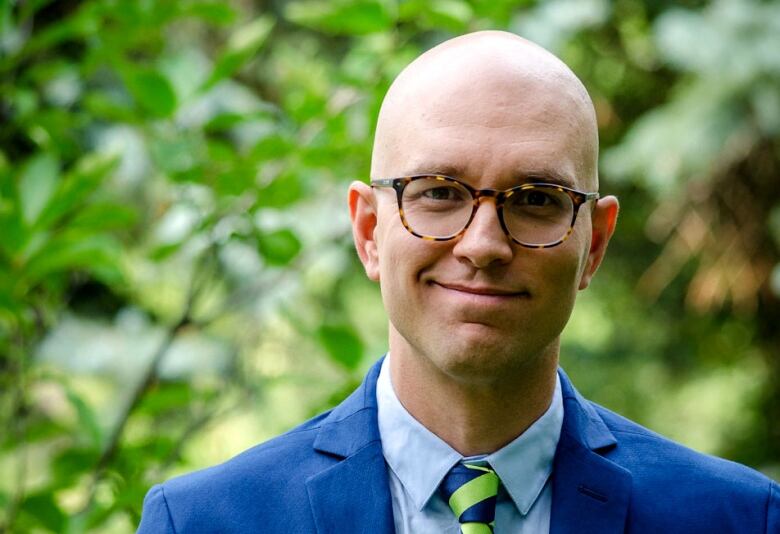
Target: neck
{"x": 474, "y": 417}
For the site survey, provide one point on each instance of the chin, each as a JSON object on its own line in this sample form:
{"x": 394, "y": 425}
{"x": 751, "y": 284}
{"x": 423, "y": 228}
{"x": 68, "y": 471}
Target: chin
{"x": 473, "y": 355}
{"x": 471, "y": 352}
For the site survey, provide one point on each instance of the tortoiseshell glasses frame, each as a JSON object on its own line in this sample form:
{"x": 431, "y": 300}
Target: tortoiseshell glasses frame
{"x": 578, "y": 198}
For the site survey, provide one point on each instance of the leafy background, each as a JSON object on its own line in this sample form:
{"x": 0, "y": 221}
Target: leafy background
{"x": 177, "y": 280}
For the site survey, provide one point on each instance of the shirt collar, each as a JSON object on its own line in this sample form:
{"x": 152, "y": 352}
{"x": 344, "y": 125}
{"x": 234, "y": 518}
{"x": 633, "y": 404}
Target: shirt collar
{"x": 420, "y": 459}
{"x": 525, "y": 464}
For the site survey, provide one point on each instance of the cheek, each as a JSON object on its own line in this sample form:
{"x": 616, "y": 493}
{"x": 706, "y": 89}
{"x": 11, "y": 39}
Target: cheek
{"x": 397, "y": 270}
{"x": 402, "y": 260}
{"x": 563, "y": 265}
{"x": 558, "y": 275}
{"x": 567, "y": 269}
{"x": 401, "y": 255}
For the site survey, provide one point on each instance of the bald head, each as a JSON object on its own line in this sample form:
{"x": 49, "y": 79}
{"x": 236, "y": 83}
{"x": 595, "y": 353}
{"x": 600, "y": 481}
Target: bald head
{"x": 494, "y": 83}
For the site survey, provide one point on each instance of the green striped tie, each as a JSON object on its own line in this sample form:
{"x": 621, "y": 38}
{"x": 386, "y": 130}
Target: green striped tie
{"x": 471, "y": 493}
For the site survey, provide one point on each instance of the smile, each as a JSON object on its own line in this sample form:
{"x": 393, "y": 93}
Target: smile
{"x": 482, "y": 291}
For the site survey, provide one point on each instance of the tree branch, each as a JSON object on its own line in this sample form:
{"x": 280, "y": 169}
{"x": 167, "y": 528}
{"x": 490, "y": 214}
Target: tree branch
{"x": 150, "y": 375}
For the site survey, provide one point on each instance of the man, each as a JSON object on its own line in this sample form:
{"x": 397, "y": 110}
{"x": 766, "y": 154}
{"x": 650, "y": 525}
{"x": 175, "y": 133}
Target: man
{"x": 481, "y": 224}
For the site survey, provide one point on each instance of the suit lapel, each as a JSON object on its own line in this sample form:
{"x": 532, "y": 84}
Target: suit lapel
{"x": 353, "y": 495}
{"x": 590, "y": 493}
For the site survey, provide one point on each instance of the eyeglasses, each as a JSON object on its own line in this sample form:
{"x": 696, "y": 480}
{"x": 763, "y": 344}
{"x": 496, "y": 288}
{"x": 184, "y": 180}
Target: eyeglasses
{"x": 440, "y": 208}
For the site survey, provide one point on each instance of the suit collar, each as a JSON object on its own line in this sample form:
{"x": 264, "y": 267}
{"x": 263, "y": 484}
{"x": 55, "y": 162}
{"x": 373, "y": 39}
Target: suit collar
{"x": 591, "y": 494}
{"x": 581, "y": 421}
{"x": 352, "y": 425}
{"x": 352, "y": 495}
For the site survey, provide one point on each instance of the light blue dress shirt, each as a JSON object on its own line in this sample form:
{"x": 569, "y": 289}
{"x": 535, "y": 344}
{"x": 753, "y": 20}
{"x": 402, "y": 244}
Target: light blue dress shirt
{"x": 418, "y": 460}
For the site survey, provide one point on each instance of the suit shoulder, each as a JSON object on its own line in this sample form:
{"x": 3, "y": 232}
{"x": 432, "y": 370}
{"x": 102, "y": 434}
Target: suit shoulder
{"x": 662, "y": 463}
{"x": 279, "y": 454}
{"x": 676, "y": 489}
{"x": 274, "y": 470}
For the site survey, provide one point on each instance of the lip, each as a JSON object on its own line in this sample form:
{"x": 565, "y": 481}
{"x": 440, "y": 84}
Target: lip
{"x": 487, "y": 291}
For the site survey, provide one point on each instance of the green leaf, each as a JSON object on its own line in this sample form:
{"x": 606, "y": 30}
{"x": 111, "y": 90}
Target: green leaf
{"x": 342, "y": 344}
{"x": 42, "y": 508}
{"x": 179, "y": 154}
{"x": 87, "y": 422}
{"x": 14, "y": 234}
{"x": 24, "y": 102}
{"x": 243, "y": 45}
{"x": 152, "y": 91}
{"x": 453, "y": 15}
{"x": 134, "y": 457}
{"x": 215, "y": 12}
{"x": 283, "y": 191}
{"x": 42, "y": 428}
{"x": 351, "y": 17}
{"x": 96, "y": 518}
{"x": 165, "y": 251}
{"x": 165, "y": 397}
{"x": 272, "y": 146}
{"x": 104, "y": 216}
{"x": 71, "y": 463}
{"x": 84, "y": 22}
{"x": 104, "y": 105}
{"x": 97, "y": 253}
{"x": 226, "y": 121}
{"x": 219, "y": 152}
{"x": 236, "y": 180}
{"x": 77, "y": 186}
{"x": 279, "y": 247}
{"x": 37, "y": 184}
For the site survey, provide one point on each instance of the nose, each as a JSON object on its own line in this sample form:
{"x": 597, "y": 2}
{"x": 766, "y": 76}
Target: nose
{"x": 484, "y": 241}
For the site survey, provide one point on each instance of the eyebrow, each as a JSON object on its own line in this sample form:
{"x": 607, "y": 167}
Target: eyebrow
{"x": 547, "y": 176}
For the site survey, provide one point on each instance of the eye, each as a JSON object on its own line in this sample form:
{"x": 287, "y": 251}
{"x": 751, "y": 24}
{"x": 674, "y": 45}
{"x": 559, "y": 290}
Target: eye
{"x": 538, "y": 201}
{"x": 443, "y": 193}
{"x": 434, "y": 193}
{"x": 537, "y": 198}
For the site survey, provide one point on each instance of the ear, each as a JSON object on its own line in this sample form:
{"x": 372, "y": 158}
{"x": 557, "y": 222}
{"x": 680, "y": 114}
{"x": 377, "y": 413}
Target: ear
{"x": 363, "y": 212}
{"x": 603, "y": 220}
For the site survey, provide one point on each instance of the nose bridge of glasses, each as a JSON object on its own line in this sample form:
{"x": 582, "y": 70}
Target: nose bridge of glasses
{"x": 485, "y": 194}
{"x": 479, "y": 194}
{"x": 494, "y": 221}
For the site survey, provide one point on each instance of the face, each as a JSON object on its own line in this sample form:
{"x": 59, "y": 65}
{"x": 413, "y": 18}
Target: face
{"x": 479, "y": 307}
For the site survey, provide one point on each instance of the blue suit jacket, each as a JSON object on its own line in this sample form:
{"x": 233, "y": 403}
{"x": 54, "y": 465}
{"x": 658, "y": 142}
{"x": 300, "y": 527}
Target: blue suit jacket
{"x": 329, "y": 476}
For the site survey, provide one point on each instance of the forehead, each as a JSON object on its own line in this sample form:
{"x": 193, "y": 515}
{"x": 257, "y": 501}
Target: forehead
{"x": 480, "y": 132}
{"x": 491, "y": 117}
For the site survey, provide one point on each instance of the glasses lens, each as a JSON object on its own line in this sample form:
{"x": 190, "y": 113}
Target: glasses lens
{"x": 538, "y": 215}
{"x": 436, "y": 207}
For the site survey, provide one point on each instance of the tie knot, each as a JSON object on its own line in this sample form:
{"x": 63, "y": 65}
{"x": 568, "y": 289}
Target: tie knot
{"x": 471, "y": 493}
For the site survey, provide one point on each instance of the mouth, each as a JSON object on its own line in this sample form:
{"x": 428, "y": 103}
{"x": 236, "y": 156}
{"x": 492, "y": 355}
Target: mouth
{"x": 482, "y": 290}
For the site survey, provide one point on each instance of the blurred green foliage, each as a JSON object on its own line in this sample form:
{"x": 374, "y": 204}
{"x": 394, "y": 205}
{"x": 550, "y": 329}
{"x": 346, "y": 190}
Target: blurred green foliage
{"x": 176, "y": 274}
